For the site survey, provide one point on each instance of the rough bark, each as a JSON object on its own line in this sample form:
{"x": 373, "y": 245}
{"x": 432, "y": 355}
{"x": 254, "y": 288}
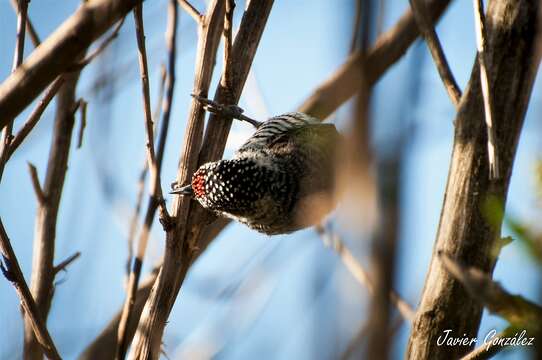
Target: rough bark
{"x": 465, "y": 231}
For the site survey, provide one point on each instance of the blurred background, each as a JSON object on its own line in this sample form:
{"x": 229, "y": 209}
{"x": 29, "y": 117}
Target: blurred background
{"x": 249, "y": 295}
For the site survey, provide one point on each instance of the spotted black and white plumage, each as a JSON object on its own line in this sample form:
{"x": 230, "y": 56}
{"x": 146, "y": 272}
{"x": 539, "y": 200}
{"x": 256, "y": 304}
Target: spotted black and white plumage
{"x": 273, "y": 180}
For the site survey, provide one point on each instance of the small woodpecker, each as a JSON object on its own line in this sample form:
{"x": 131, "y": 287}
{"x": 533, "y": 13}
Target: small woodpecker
{"x": 281, "y": 180}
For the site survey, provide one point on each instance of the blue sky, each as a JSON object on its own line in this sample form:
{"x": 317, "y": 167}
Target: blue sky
{"x": 249, "y": 295}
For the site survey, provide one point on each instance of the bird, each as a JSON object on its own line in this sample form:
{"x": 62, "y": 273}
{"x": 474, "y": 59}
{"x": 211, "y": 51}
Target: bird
{"x": 279, "y": 181}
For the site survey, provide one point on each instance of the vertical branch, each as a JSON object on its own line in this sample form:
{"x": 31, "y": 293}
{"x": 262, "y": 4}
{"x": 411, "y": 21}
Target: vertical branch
{"x": 43, "y": 273}
{"x": 155, "y": 199}
{"x": 29, "y": 27}
{"x": 226, "y": 79}
{"x": 485, "y": 82}
{"x": 465, "y": 232}
{"x": 12, "y": 271}
{"x": 17, "y": 60}
{"x": 182, "y": 240}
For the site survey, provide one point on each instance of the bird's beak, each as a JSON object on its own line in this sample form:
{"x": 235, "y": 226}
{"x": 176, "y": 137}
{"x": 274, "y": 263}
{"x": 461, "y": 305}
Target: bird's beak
{"x": 184, "y": 190}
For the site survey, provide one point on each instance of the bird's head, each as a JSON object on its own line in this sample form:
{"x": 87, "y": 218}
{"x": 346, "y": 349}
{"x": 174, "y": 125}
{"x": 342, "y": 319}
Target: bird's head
{"x": 226, "y": 184}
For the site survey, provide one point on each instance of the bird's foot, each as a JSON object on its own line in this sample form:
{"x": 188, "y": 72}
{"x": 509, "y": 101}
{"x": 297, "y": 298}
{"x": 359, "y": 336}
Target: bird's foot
{"x": 232, "y": 111}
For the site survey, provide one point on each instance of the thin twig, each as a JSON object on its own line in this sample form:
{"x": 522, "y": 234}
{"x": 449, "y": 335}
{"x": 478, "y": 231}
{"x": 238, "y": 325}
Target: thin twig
{"x": 485, "y": 83}
{"x": 58, "y": 52}
{"x": 192, "y": 11}
{"x": 64, "y": 264}
{"x": 154, "y": 163}
{"x": 81, "y": 64}
{"x": 12, "y": 271}
{"x": 360, "y": 274}
{"x": 35, "y": 115}
{"x": 227, "y": 36}
{"x": 431, "y": 38}
{"x": 155, "y": 183}
{"x": 387, "y": 50}
{"x": 29, "y": 27}
{"x": 36, "y": 183}
{"x": 142, "y": 177}
{"x": 21, "y": 30}
{"x": 7, "y": 136}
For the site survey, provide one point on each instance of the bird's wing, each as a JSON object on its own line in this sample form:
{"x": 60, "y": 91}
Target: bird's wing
{"x": 277, "y": 127}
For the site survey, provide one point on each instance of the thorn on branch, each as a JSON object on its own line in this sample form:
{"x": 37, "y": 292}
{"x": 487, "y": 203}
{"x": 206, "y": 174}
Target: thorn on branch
{"x": 38, "y": 190}
{"x": 64, "y": 264}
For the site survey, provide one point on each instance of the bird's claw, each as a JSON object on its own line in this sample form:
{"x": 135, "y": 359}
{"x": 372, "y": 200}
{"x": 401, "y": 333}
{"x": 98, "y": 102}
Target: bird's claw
{"x": 220, "y": 109}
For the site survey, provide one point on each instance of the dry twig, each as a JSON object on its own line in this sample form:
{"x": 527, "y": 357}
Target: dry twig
{"x": 154, "y": 164}
{"x": 192, "y": 11}
{"x": 29, "y": 27}
{"x": 389, "y": 48}
{"x": 12, "y": 271}
{"x": 518, "y": 311}
{"x": 431, "y": 38}
{"x": 58, "y": 52}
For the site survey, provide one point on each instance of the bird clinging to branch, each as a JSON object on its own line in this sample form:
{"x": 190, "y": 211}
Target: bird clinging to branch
{"x": 279, "y": 181}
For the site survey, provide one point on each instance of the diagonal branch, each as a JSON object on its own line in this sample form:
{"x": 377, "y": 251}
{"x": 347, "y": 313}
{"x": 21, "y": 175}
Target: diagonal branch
{"x": 29, "y": 27}
{"x": 431, "y": 38}
{"x": 58, "y": 52}
{"x": 518, "y": 311}
{"x": 192, "y": 11}
{"x": 389, "y": 48}
{"x": 12, "y": 271}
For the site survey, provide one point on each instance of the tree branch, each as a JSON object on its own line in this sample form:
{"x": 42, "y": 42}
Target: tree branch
{"x": 518, "y": 311}
{"x": 58, "y": 52}
{"x": 181, "y": 242}
{"x": 43, "y": 273}
{"x": 389, "y": 48}
{"x": 12, "y": 271}
{"x": 29, "y": 27}
{"x": 156, "y": 198}
{"x": 192, "y": 11}
{"x": 433, "y": 43}
{"x": 465, "y": 232}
